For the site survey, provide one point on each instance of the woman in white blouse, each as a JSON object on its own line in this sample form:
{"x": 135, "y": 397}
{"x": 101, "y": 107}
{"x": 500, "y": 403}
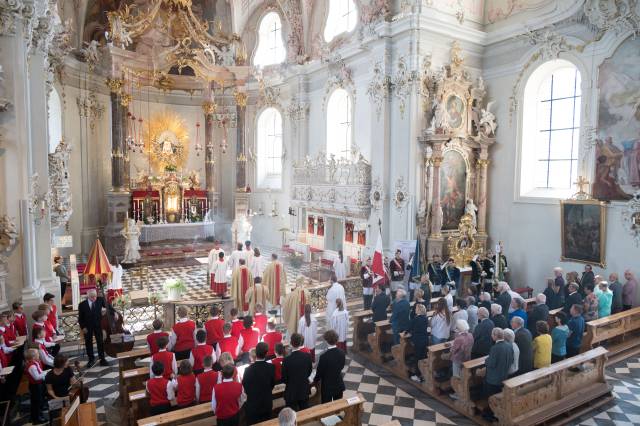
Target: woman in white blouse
{"x": 308, "y": 327}
{"x": 340, "y": 324}
{"x": 441, "y": 323}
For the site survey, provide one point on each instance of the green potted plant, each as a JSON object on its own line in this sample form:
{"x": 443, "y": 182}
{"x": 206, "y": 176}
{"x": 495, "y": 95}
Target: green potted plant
{"x": 174, "y": 287}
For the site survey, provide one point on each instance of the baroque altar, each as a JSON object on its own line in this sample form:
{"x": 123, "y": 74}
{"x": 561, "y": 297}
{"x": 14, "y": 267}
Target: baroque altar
{"x": 456, "y": 157}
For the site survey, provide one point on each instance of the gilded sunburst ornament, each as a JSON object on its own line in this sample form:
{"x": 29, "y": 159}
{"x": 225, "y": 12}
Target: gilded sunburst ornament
{"x": 166, "y": 139}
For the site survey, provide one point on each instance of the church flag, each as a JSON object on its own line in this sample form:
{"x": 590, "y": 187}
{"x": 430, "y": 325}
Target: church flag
{"x": 378, "y": 265}
{"x": 416, "y": 263}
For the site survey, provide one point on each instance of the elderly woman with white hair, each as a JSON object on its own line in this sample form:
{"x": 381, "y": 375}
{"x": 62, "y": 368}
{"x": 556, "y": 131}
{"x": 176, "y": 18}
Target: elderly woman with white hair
{"x": 605, "y": 298}
{"x": 499, "y": 320}
{"x": 287, "y": 417}
{"x": 510, "y": 337}
{"x": 461, "y": 347}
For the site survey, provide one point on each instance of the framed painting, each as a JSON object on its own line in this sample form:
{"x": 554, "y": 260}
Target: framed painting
{"x": 455, "y": 111}
{"x": 453, "y": 186}
{"x": 583, "y": 224}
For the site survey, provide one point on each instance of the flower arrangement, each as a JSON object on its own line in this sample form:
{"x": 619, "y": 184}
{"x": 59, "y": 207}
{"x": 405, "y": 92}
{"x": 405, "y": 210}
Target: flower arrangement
{"x": 121, "y": 302}
{"x": 174, "y": 288}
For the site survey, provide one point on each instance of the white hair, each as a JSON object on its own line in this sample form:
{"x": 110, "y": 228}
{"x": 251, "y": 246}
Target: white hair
{"x": 287, "y": 417}
{"x": 400, "y": 293}
{"x": 541, "y": 298}
{"x": 497, "y": 333}
{"x": 462, "y": 326}
{"x": 518, "y": 320}
{"x": 92, "y": 292}
{"x": 557, "y": 269}
{"x": 496, "y": 309}
{"x": 509, "y": 335}
{"x": 483, "y": 313}
{"x": 485, "y": 296}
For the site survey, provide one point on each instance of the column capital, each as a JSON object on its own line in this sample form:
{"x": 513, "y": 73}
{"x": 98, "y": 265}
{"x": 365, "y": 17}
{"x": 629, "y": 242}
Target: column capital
{"x": 483, "y": 162}
{"x": 115, "y": 85}
{"x": 209, "y": 108}
{"x": 241, "y": 98}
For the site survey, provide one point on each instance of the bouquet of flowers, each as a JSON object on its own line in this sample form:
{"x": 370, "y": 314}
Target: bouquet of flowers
{"x": 174, "y": 288}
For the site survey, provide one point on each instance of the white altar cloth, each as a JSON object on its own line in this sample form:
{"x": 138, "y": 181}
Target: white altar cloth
{"x": 176, "y": 231}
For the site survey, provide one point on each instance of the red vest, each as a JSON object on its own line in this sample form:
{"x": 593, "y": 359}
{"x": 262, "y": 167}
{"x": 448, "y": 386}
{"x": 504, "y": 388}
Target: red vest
{"x": 250, "y": 339}
{"x": 184, "y": 335}
{"x": 199, "y": 352}
{"x": 166, "y": 358}
{"x": 277, "y": 363}
{"x": 21, "y": 324}
{"x": 157, "y": 389}
{"x": 214, "y": 331}
{"x": 152, "y": 341}
{"x": 229, "y": 344}
{"x": 236, "y": 327}
{"x": 34, "y": 330}
{"x": 271, "y": 338}
{"x": 38, "y": 364}
{"x": 51, "y": 318}
{"x": 260, "y": 322}
{"x": 227, "y": 395}
{"x": 206, "y": 381}
{"x": 186, "y": 389}
{"x": 4, "y": 359}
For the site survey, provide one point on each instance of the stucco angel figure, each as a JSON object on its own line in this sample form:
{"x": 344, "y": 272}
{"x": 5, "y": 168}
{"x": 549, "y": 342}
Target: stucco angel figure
{"x": 440, "y": 121}
{"x": 471, "y": 209}
{"x": 131, "y": 234}
{"x": 488, "y": 121}
{"x": 241, "y": 229}
{"x": 194, "y": 179}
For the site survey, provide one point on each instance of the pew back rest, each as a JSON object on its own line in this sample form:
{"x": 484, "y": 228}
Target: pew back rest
{"x": 318, "y": 412}
{"x": 182, "y": 415}
{"x": 612, "y": 326}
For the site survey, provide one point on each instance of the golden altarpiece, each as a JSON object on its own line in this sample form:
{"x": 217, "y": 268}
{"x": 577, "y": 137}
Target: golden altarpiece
{"x": 453, "y": 212}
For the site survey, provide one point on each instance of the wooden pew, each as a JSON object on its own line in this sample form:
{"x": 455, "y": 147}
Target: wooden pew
{"x": 551, "y": 320}
{"x": 619, "y": 333}
{"x": 134, "y": 380}
{"x": 471, "y": 376}
{"x": 380, "y": 341}
{"x": 138, "y": 403}
{"x": 561, "y": 389}
{"x": 79, "y": 414}
{"x": 127, "y": 361}
{"x": 401, "y": 354}
{"x": 182, "y": 415}
{"x": 361, "y": 329}
{"x": 351, "y": 407}
{"x": 436, "y": 366}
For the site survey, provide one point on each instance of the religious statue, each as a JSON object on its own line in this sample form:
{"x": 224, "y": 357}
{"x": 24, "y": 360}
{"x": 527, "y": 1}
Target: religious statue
{"x": 488, "y": 121}
{"x": 241, "y": 229}
{"x": 471, "y": 209}
{"x": 131, "y": 233}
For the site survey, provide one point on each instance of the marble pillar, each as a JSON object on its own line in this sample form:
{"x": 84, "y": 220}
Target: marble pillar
{"x": 209, "y": 157}
{"x": 481, "y": 168}
{"x": 118, "y": 142}
{"x": 241, "y": 160}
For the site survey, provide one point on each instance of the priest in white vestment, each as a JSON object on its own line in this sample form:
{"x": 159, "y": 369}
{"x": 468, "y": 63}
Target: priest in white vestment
{"x": 340, "y": 266}
{"x": 236, "y": 255}
{"x": 258, "y": 264}
{"x": 340, "y": 323}
{"x": 257, "y": 294}
{"x": 336, "y": 291}
{"x": 294, "y": 305}
{"x": 248, "y": 253}
{"x": 275, "y": 279}
{"x": 218, "y": 275}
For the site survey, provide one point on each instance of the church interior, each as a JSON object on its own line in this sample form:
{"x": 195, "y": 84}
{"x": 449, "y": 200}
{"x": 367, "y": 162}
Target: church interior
{"x": 383, "y": 212}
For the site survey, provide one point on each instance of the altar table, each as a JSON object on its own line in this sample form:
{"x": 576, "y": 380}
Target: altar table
{"x": 176, "y": 231}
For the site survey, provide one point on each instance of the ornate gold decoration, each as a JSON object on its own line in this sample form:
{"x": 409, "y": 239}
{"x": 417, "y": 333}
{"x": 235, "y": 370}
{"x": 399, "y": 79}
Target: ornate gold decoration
{"x": 209, "y": 107}
{"x": 115, "y": 85}
{"x": 163, "y": 82}
{"x": 582, "y": 194}
{"x": 166, "y": 139}
{"x": 463, "y": 244}
{"x": 483, "y": 162}
{"x": 241, "y": 98}
{"x": 125, "y": 99}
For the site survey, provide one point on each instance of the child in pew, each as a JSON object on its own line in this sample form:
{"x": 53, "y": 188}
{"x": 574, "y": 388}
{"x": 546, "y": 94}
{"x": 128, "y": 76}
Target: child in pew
{"x": 43, "y": 349}
{"x": 20, "y": 321}
{"x": 35, "y": 375}
{"x": 206, "y": 380}
{"x": 166, "y": 358}
{"x": 226, "y": 359}
{"x": 229, "y": 343}
{"x": 271, "y": 337}
{"x": 260, "y": 319}
{"x": 5, "y": 353}
{"x": 559, "y": 336}
{"x": 214, "y": 327}
{"x": 48, "y": 325}
{"x": 200, "y": 351}
{"x": 226, "y": 398}
{"x": 52, "y": 315}
{"x": 236, "y": 324}
{"x": 161, "y": 390}
{"x": 250, "y": 337}
{"x": 277, "y": 361}
{"x": 183, "y": 334}
{"x": 6, "y": 328}
{"x": 152, "y": 338}
{"x": 185, "y": 385}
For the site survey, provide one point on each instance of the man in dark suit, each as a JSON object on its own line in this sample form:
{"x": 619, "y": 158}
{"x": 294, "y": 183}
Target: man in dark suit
{"x": 400, "y": 320}
{"x": 258, "y": 382}
{"x": 525, "y": 344}
{"x": 329, "y": 370}
{"x": 380, "y": 305}
{"x": 574, "y": 298}
{"x": 482, "y": 334}
{"x": 497, "y": 366}
{"x": 588, "y": 277}
{"x": 504, "y": 298}
{"x": 296, "y": 369}
{"x": 540, "y": 312}
{"x": 90, "y": 313}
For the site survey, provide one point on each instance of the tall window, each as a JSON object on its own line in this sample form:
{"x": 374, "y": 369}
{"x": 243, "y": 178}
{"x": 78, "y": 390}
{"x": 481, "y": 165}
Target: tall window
{"x": 339, "y": 124}
{"x": 55, "y": 120}
{"x": 342, "y": 18}
{"x": 551, "y": 130}
{"x": 269, "y": 142}
{"x": 270, "y": 45}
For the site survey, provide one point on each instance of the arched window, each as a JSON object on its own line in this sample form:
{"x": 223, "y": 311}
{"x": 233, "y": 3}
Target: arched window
{"x": 270, "y": 45}
{"x": 342, "y": 18}
{"x": 550, "y": 130}
{"x": 269, "y": 144}
{"x": 339, "y": 124}
{"x": 54, "y": 124}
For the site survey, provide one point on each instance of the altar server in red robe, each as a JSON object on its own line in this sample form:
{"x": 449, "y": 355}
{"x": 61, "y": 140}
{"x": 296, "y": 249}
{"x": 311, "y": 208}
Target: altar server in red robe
{"x": 219, "y": 276}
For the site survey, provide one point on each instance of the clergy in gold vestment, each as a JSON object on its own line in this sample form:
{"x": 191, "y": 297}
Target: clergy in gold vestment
{"x": 241, "y": 280}
{"x": 275, "y": 279}
{"x": 293, "y": 306}
{"x": 257, "y": 294}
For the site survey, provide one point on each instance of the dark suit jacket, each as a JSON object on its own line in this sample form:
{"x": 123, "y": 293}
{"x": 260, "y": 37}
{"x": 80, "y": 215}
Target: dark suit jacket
{"x": 498, "y": 363}
{"x": 258, "y": 382}
{"x": 573, "y": 299}
{"x": 90, "y": 318}
{"x": 482, "y": 338}
{"x": 400, "y": 315}
{"x": 379, "y": 307}
{"x": 296, "y": 369}
{"x": 329, "y": 374}
{"x": 538, "y": 313}
{"x": 485, "y": 304}
{"x": 525, "y": 344}
{"x": 504, "y": 300}
{"x": 500, "y": 321}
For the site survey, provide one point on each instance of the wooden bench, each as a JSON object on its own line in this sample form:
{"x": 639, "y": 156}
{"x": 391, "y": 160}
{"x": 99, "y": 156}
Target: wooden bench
{"x": 566, "y": 389}
{"x": 182, "y": 415}
{"x": 380, "y": 341}
{"x": 435, "y": 366}
{"x": 402, "y": 353}
{"x": 127, "y": 361}
{"x": 138, "y": 403}
{"x": 134, "y": 380}
{"x": 351, "y": 407}
{"x": 79, "y": 414}
{"x": 471, "y": 376}
{"x": 361, "y": 329}
{"x": 619, "y": 333}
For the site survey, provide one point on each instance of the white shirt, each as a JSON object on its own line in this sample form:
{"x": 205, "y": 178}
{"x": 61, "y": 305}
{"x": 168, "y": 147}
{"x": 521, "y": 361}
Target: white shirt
{"x": 310, "y": 333}
{"x": 440, "y": 328}
{"x": 257, "y": 266}
{"x": 220, "y": 270}
{"x": 340, "y": 324}
{"x": 340, "y": 268}
{"x": 241, "y": 399}
{"x": 236, "y": 255}
{"x": 36, "y": 372}
{"x": 449, "y": 299}
{"x": 516, "y": 357}
{"x": 335, "y": 292}
{"x": 174, "y": 365}
{"x": 45, "y": 357}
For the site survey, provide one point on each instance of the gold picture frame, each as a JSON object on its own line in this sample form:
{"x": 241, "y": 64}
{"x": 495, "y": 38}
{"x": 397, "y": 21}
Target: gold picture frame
{"x": 583, "y": 231}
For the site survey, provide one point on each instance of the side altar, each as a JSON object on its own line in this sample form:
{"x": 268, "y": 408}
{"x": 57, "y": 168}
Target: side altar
{"x": 452, "y": 216}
